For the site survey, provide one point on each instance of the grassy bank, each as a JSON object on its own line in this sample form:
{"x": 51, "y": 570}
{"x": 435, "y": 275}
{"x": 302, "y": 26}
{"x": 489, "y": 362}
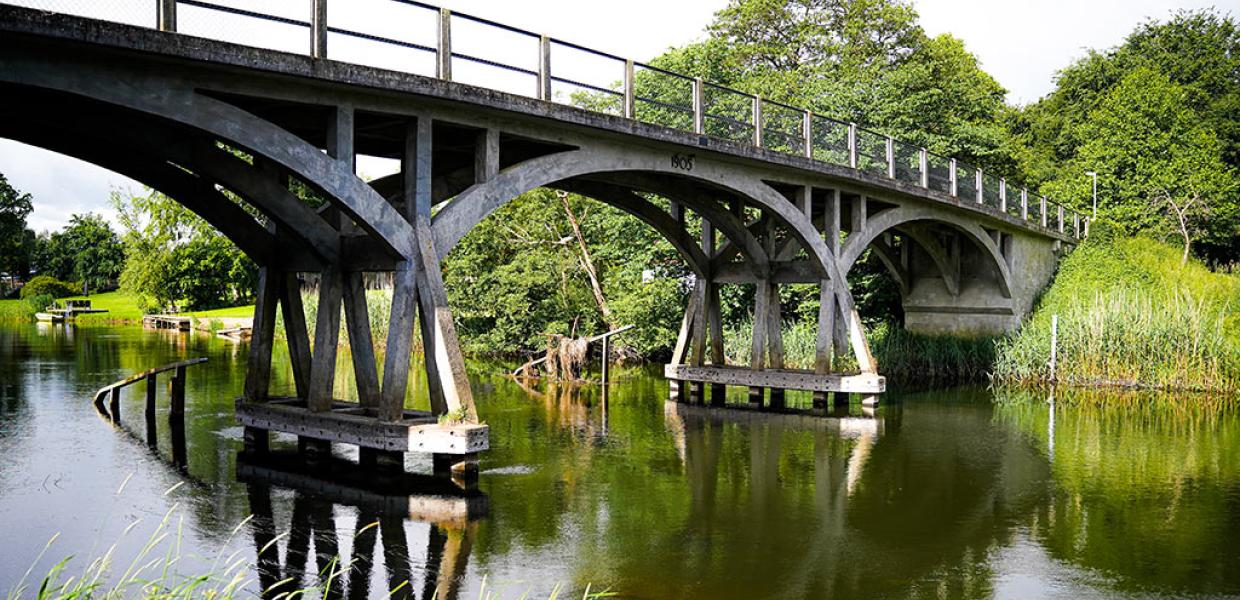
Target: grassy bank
{"x": 1131, "y": 315}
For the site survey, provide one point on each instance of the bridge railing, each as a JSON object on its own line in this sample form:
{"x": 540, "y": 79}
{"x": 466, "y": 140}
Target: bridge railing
{"x": 424, "y": 39}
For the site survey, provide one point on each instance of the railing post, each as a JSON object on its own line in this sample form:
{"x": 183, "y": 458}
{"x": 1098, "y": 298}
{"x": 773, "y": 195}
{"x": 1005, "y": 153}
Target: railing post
{"x": 544, "y": 68}
{"x": 1060, "y": 227}
{"x": 757, "y": 121}
{"x": 852, "y": 145}
{"x": 1024, "y": 204}
{"x": 952, "y": 177}
{"x": 443, "y": 53}
{"x": 150, "y": 398}
{"x": 630, "y": 91}
{"x": 176, "y": 405}
{"x": 699, "y": 106}
{"x": 981, "y": 180}
{"x": 166, "y": 15}
{"x": 318, "y": 29}
{"x": 114, "y": 404}
{"x": 1042, "y": 210}
{"x": 1003, "y": 195}
{"x": 1076, "y": 225}
{"x": 923, "y": 162}
{"x": 807, "y": 129}
{"x": 891, "y": 157}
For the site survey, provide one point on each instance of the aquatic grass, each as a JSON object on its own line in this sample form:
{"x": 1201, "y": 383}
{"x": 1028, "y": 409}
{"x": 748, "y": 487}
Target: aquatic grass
{"x": 1130, "y": 315}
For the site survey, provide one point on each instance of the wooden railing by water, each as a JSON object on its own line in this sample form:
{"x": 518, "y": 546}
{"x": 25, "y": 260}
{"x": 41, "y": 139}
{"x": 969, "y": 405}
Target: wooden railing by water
{"x": 112, "y": 393}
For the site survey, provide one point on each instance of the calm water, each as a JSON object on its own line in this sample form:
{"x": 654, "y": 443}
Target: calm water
{"x": 944, "y": 495}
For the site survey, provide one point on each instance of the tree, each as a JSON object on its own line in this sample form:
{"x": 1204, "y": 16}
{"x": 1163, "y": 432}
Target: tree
{"x": 15, "y": 206}
{"x": 176, "y": 258}
{"x": 85, "y": 251}
{"x": 1159, "y": 118}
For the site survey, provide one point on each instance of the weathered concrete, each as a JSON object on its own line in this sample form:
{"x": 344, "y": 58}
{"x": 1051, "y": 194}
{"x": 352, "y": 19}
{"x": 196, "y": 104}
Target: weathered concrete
{"x": 200, "y": 114}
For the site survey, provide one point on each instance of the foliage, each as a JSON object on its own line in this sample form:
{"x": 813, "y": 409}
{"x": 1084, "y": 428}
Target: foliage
{"x": 15, "y": 206}
{"x": 1131, "y": 315}
{"x": 39, "y": 303}
{"x": 176, "y": 258}
{"x": 1157, "y": 118}
{"x": 518, "y": 277}
{"x": 45, "y": 285}
{"x": 86, "y": 250}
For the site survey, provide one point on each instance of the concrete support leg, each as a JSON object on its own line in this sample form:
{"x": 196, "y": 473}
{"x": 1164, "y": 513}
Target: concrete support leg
{"x": 718, "y": 394}
{"x": 314, "y": 450}
{"x": 455, "y": 465}
{"x": 257, "y": 441}
{"x": 777, "y": 401}
{"x": 381, "y": 460}
{"x": 326, "y": 339}
{"x": 399, "y": 343}
{"x": 258, "y": 364}
{"x": 361, "y": 345}
{"x": 295, "y": 332}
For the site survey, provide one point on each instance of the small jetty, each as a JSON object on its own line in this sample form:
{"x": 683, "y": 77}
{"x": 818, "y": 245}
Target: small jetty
{"x": 173, "y": 322}
{"x": 67, "y": 312}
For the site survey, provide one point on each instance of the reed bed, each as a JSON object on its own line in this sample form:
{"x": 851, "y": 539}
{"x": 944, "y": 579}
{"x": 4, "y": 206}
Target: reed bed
{"x": 1130, "y": 316}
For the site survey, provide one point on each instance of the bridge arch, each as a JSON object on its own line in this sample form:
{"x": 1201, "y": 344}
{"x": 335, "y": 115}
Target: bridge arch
{"x": 904, "y": 216}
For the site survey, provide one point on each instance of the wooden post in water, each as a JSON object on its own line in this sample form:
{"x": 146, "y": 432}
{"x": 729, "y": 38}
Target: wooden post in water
{"x": 151, "y": 433}
{"x": 176, "y": 410}
{"x": 115, "y": 405}
{"x": 606, "y": 360}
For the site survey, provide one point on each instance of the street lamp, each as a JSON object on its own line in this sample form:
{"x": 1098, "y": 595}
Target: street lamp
{"x": 1095, "y": 176}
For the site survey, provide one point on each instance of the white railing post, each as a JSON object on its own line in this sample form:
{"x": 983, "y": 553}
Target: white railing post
{"x": 166, "y": 15}
{"x": 952, "y": 179}
{"x": 318, "y": 29}
{"x": 757, "y": 121}
{"x": 807, "y": 131}
{"x": 443, "y": 53}
{"x": 923, "y": 161}
{"x": 630, "y": 91}
{"x": 1060, "y": 218}
{"x": 981, "y": 180}
{"x": 852, "y": 145}
{"x": 891, "y": 157}
{"x": 544, "y": 68}
{"x": 1024, "y": 204}
{"x": 1076, "y": 225}
{"x": 1043, "y": 210}
{"x": 1002, "y": 194}
{"x": 699, "y": 106}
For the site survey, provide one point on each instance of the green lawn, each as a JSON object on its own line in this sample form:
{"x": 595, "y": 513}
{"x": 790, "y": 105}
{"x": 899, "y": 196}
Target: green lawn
{"x": 234, "y": 312}
{"x": 15, "y": 310}
{"x": 121, "y": 307}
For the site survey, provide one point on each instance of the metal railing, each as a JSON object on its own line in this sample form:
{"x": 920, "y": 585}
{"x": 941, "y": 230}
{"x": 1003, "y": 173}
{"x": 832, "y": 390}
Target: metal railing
{"x": 424, "y": 44}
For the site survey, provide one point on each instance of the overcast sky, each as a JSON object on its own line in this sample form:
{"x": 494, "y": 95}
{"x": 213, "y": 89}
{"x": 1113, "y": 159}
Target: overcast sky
{"x": 1022, "y": 43}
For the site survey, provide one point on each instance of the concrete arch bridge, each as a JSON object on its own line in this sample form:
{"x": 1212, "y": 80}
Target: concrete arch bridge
{"x": 783, "y": 196}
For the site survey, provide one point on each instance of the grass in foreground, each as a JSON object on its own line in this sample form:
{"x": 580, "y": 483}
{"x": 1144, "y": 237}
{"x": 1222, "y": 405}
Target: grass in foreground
{"x": 1130, "y": 315}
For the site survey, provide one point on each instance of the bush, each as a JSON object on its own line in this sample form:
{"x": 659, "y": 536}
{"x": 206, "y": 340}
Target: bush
{"x": 50, "y": 286}
{"x": 40, "y": 302}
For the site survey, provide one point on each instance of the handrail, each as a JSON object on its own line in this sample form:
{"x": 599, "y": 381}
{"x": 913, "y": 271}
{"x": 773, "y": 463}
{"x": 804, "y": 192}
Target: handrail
{"x": 442, "y": 47}
{"x": 178, "y": 388}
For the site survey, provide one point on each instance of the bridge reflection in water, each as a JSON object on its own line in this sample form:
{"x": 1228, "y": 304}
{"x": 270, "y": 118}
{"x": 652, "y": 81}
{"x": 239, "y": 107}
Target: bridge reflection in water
{"x": 312, "y": 551}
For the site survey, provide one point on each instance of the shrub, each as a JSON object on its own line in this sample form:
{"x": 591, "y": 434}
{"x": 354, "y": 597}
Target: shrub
{"x": 48, "y": 285}
{"x": 40, "y": 302}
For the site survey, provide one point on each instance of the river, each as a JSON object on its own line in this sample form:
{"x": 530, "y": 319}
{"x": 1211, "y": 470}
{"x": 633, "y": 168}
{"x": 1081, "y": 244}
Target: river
{"x": 946, "y": 494}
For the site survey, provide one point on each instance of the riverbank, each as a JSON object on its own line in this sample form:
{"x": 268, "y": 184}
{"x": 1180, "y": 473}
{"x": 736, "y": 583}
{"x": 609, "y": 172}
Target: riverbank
{"x": 1130, "y": 315}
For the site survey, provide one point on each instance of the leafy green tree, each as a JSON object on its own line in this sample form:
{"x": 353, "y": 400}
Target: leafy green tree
{"x": 86, "y": 251}
{"x": 15, "y": 206}
{"x": 1158, "y": 118}
{"x": 1161, "y": 166}
{"x": 176, "y": 258}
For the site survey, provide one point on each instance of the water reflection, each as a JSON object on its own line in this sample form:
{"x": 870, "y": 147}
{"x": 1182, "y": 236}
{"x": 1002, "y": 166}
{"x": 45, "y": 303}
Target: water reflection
{"x": 955, "y": 494}
{"x": 382, "y": 505}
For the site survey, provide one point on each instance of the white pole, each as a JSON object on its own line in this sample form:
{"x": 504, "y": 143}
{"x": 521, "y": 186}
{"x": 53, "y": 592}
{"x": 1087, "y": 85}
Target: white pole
{"x": 1054, "y": 342}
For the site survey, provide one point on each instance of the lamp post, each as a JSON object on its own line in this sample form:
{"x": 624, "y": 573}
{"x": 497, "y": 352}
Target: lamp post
{"x": 1095, "y": 177}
